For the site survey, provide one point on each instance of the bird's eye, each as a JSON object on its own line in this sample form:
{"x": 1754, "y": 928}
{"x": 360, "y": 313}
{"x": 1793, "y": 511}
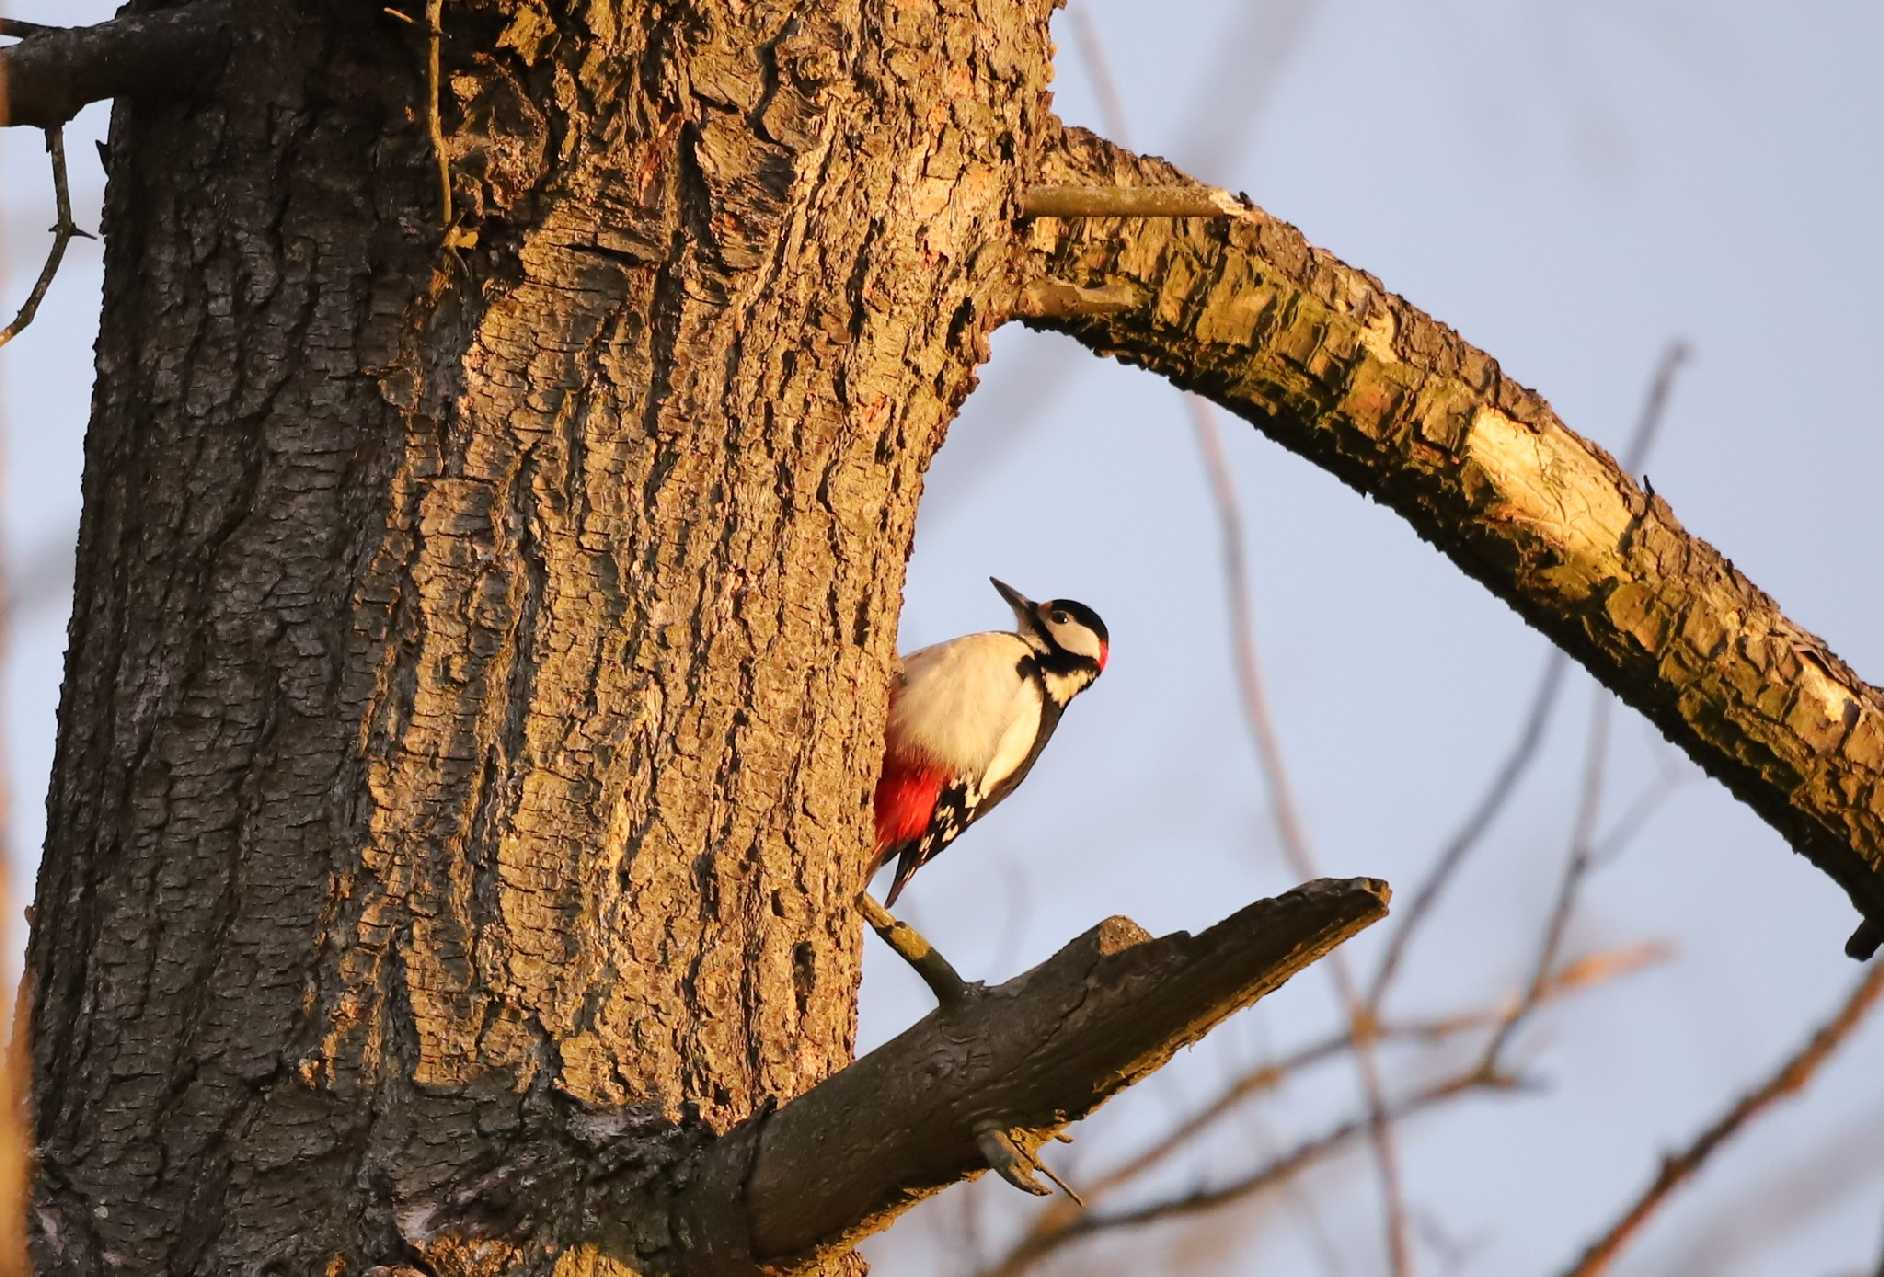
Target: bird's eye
{"x": 1061, "y": 618}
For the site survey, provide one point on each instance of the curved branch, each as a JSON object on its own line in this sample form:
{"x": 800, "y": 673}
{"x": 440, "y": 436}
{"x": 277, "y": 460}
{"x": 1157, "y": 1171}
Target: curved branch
{"x": 1327, "y": 362}
{"x": 55, "y": 71}
{"x": 1025, "y": 1057}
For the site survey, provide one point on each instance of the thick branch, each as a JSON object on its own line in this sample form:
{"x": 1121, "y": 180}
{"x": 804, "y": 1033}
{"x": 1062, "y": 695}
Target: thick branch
{"x": 45, "y": 80}
{"x": 1027, "y": 1057}
{"x": 1329, "y": 363}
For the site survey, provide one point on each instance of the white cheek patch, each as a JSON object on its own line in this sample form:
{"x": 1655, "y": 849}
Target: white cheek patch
{"x": 1075, "y": 638}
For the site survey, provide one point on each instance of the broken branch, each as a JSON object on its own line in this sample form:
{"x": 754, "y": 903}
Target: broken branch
{"x": 56, "y": 70}
{"x": 21, "y": 29}
{"x": 1025, "y": 1057}
{"x": 1327, "y": 362}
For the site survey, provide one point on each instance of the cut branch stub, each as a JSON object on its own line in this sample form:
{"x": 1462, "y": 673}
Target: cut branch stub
{"x": 1323, "y": 359}
{"x": 1029, "y": 1056}
{"x": 47, "y": 78}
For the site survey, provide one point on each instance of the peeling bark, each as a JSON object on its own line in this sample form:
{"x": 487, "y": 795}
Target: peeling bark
{"x": 1323, "y": 359}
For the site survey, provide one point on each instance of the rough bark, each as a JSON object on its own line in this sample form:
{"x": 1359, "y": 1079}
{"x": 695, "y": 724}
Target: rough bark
{"x": 478, "y": 661}
{"x": 1027, "y": 1057}
{"x": 45, "y": 80}
{"x": 1323, "y": 359}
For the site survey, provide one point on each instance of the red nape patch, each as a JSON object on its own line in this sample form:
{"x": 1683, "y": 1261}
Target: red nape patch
{"x": 905, "y": 800}
{"x": 1105, "y": 650}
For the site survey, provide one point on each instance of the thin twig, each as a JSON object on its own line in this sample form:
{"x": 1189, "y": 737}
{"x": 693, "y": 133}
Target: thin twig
{"x": 1572, "y": 977}
{"x": 62, "y": 235}
{"x": 433, "y": 124}
{"x": 1290, "y": 830}
{"x": 1478, "y": 822}
{"x": 1655, "y": 404}
{"x": 1790, "y": 1078}
{"x": 1576, "y": 868}
{"x": 1643, "y": 808}
{"x": 1261, "y": 726}
{"x": 910, "y": 945}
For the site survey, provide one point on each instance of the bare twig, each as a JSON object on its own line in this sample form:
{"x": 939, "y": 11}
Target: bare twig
{"x": 1276, "y": 1171}
{"x": 1790, "y": 1078}
{"x": 1290, "y": 830}
{"x": 434, "y": 127}
{"x": 1576, "y": 976}
{"x": 1257, "y": 718}
{"x": 1478, "y": 821}
{"x": 1648, "y": 422}
{"x": 62, "y": 234}
{"x": 1536, "y": 721}
{"x": 910, "y": 945}
{"x": 1576, "y": 868}
{"x": 1635, "y": 817}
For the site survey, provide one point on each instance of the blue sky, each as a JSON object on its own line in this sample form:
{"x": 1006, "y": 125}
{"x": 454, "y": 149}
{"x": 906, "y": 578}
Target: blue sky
{"x": 1570, "y": 187}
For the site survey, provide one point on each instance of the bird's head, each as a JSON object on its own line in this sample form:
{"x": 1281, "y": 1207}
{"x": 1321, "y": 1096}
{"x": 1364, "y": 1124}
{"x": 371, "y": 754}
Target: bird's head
{"x": 1069, "y": 636}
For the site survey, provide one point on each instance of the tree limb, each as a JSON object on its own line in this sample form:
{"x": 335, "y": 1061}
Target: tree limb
{"x": 1536, "y": 722}
{"x": 47, "y": 78}
{"x": 1327, "y": 362}
{"x": 1025, "y": 1057}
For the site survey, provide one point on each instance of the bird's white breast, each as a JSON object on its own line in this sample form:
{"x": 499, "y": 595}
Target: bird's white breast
{"x": 965, "y": 706}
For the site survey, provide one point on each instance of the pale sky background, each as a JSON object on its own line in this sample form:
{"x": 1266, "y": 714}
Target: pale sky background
{"x": 1570, "y": 186}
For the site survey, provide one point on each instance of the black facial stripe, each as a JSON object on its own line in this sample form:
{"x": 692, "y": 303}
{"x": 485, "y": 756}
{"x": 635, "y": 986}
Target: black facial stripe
{"x": 1081, "y": 613}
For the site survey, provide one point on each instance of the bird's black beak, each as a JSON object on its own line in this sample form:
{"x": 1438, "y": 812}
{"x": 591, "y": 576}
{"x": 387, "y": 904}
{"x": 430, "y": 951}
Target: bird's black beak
{"x": 1022, "y": 605}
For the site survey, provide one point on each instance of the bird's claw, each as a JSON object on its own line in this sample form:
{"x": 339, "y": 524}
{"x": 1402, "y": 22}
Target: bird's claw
{"x": 1018, "y": 1164}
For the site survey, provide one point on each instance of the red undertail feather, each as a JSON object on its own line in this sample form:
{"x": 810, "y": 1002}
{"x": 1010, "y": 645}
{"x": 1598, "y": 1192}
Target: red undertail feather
{"x": 905, "y": 800}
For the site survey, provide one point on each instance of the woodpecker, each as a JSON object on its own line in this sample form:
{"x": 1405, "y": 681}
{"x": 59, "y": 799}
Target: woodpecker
{"x": 969, "y": 716}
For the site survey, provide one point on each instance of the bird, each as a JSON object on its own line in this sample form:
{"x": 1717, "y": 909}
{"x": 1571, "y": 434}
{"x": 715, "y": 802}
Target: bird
{"x": 968, "y": 719}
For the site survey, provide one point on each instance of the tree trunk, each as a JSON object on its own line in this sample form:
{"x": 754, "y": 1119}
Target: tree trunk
{"x": 478, "y": 659}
